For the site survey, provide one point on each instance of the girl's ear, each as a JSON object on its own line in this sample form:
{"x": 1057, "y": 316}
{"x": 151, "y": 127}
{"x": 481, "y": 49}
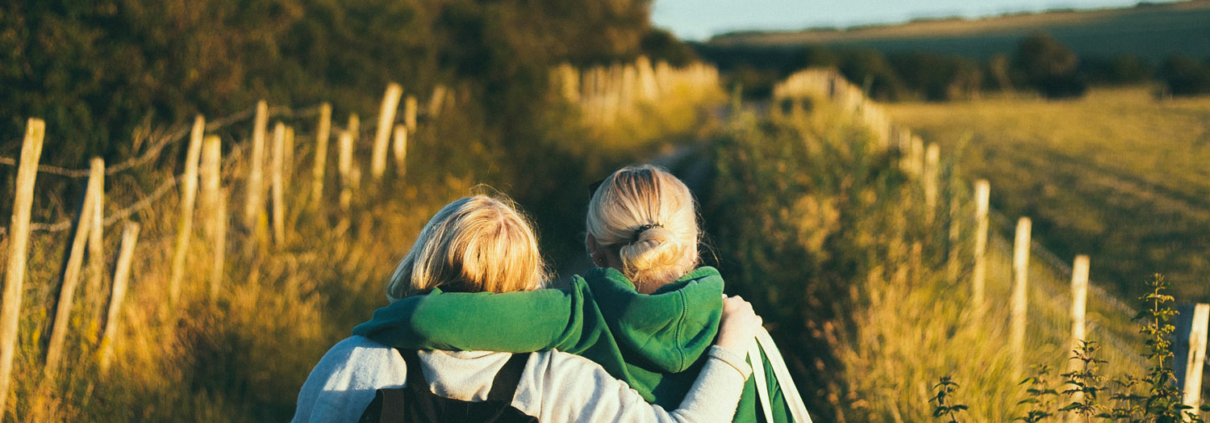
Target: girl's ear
{"x": 591, "y": 243}
{"x": 595, "y": 251}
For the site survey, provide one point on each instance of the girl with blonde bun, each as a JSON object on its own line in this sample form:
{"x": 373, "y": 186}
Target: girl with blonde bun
{"x": 647, "y": 312}
{"x": 483, "y": 245}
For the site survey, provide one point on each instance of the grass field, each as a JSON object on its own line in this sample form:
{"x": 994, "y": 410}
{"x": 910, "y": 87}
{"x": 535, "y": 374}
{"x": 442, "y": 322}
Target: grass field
{"x": 1116, "y": 175}
{"x": 1151, "y": 32}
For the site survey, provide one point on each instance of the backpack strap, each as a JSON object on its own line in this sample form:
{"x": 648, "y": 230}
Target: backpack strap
{"x": 758, "y": 378}
{"x": 415, "y": 374}
{"x": 798, "y": 410}
{"x": 504, "y": 386}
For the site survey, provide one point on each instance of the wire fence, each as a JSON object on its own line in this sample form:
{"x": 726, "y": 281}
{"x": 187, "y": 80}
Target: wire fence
{"x": 151, "y": 154}
{"x": 173, "y": 137}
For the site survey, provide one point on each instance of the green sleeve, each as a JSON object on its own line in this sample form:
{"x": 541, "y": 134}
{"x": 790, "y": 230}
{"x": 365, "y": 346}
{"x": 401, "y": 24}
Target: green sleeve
{"x": 511, "y": 322}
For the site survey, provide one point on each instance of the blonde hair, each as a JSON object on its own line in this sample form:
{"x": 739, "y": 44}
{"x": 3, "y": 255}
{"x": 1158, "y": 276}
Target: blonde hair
{"x": 649, "y": 216}
{"x": 474, "y": 244}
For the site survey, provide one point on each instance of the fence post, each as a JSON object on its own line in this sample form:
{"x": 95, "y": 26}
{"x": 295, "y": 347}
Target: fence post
{"x": 386, "y": 120}
{"x": 1188, "y": 365}
{"x": 344, "y": 166}
{"x": 982, "y": 196}
{"x": 253, "y": 205}
{"x": 210, "y": 173}
{"x": 121, "y": 274}
{"x": 278, "y": 161}
{"x": 96, "y": 239}
{"x": 188, "y": 197}
{"x": 409, "y": 113}
{"x": 218, "y": 226}
{"x": 321, "y": 153}
{"x": 288, "y": 158}
{"x": 354, "y": 126}
{"x": 1020, "y": 300}
{"x": 214, "y": 201}
{"x": 932, "y": 159}
{"x": 1079, "y": 303}
{"x": 18, "y": 240}
{"x": 952, "y": 267}
{"x": 436, "y": 100}
{"x": 71, "y": 275}
{"x": 401, "y": 150}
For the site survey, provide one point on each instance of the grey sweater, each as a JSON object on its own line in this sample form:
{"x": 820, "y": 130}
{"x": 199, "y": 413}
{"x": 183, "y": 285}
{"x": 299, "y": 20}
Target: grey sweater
{"x": 555, "y": 387}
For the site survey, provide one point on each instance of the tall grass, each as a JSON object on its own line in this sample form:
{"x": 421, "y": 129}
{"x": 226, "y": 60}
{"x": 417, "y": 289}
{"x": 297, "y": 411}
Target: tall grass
{"x": 821, "y": 229}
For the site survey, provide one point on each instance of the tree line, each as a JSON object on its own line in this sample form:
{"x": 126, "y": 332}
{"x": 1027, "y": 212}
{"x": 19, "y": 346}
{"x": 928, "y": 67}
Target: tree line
{"x": 1040, "y": 63}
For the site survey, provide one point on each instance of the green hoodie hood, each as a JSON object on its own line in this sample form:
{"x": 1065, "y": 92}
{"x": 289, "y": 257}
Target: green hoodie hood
{"x": 670, "y": 328}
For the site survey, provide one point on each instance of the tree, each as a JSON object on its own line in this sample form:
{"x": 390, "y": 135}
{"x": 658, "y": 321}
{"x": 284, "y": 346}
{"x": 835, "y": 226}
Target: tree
{"x": 1049, "y": 66}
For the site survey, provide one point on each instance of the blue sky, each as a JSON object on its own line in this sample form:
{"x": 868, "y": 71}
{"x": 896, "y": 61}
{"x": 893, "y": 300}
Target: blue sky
{"x": 699, "y": 19}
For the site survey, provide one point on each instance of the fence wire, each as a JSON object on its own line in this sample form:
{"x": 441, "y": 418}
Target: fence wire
{"x": 173, "y": 137}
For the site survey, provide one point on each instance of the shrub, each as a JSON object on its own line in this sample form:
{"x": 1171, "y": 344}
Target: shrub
{"x": 1183, "y": 76}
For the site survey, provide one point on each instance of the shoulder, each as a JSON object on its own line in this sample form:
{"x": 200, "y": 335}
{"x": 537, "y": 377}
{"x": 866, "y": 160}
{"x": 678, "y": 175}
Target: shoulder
{"x": 346, "y": 378}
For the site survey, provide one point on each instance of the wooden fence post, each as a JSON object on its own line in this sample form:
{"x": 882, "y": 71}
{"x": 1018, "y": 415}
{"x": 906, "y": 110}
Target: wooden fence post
{"x": 354, "y": 127}
{"x": 386, "y": 120}
{"x": 254, "y": 204}
{"x": 409, "y": 113}
{"x": 214, "y": 203}
{"x": 344, "y": 166}
{"x": 1020, "y": 300}
{"x": 401, "y": 150}
{"x": 932, "y": 160}
{"x": 321, "y": 153}
{"x": 953, "y": 266}
{"x": 436, "y": 100}
{"x": 218, "y": 227}
{"x": 982, "y": 196}
{"x": 288, "y": 158}
{"x": 121, "y": 276}
{"x": 1190, "y": 352}
{"x": 18, "y": 241}
{"x": 188, "y": 197}
{"x": 71, "y": 275}
{"x": 278, "y": 161}
{"x": 96, "y": 243}
{"x": 211, "y": 174}
{"x": 1079, "y": 304}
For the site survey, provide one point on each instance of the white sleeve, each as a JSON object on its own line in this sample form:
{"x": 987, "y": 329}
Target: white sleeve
{"x": 345, "y": 380}
{"x": 558, "y": 387}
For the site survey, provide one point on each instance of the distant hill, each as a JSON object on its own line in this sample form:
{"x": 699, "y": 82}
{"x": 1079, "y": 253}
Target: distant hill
{"x": 1151, "y": 31}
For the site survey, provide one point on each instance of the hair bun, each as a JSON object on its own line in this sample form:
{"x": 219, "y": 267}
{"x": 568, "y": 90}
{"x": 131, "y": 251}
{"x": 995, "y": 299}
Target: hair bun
{"x": 655, "y": 255}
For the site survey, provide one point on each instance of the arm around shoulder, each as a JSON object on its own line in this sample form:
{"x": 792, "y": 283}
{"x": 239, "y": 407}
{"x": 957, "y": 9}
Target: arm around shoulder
{"x": 510, "y": 322}
{"x": 562, "y": 388}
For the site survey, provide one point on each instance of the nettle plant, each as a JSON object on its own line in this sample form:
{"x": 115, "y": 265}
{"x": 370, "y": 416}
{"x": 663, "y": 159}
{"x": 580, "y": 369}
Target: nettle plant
{"x": 1153, "y": 398}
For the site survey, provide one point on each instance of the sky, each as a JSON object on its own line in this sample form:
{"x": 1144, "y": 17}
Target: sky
{"x": 699, "y": 19}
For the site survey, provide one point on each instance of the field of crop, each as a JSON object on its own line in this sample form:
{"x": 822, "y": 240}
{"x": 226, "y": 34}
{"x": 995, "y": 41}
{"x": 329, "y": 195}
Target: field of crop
{"x": 1117, "y": 175}
{"x": 1151, "y": 32}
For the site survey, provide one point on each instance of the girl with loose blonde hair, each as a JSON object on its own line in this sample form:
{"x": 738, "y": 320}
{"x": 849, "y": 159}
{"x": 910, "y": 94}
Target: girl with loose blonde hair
{"x": 452, "y": 253}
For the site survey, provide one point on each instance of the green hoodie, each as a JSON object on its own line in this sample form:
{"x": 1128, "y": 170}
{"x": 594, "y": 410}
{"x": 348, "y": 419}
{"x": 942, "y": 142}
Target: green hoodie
{"x": 656, "y": 343}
